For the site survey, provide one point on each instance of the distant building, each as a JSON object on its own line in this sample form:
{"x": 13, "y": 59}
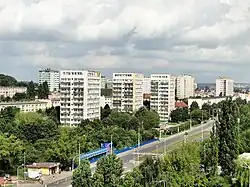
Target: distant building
{"x": 146, "y": 85}
{"x": 6, "y": 91}
{"x": 106, "y": 101}
{"x": 180, "y": 104}
{"x": 103, "y": 82}
{"x": 79, "y": 96}
{"x": 162, "y": 95}
{"x": 208, "y": 100}
{"x": 224, "y": 87}
{"x": 52, "y": 77}
{"x": 185, "y": 86}
{"x": 109, "y": 83}
{"x": 127, "y": 91}
{"x": 30, "y": 106}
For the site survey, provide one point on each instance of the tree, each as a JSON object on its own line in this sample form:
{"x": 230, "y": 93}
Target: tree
{"x": 31, "y": 92}
{"x": 11, "y": 150}
{"x": 133, "y": 178}
{"x": 179, "y": 115}
{"x": 196, "y": 115}
{"x": 209, "y": 154}
{"x": 110, "y": 168}
{"x": 43, "y": 90}
{"x": 148, "y": 118}
{"x": 194, "y": 106}
{"x": 32, "y": 126}
{"x": 6, "y": 80}
{"x": 105, "y": 112}
{"x": 19, "y": 96}
{"x": 228, "y": 137}
{"x": 82, "y": 175}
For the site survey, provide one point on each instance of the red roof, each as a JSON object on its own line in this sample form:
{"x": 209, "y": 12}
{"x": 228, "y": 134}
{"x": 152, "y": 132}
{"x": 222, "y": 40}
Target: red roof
{"x": 180, "y": 104}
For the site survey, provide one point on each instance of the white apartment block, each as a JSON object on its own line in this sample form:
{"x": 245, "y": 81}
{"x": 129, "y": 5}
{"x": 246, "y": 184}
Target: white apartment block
{"x": 162, "y": 95}
{"x": 103, "y": 82}
{"x": 6, "y": 91}
{"x": 52, "y": 77}
{"x": 127, "y": 91}
{"x": 29, "y": 106}
{"x": 106, "y": 101}
{"x": 185, "y": 86}
{"x": 80, "y": 96}
{"x": 146, "y": 85}
{"x": 109, "y": 83}
{"x": 224, "y": 87}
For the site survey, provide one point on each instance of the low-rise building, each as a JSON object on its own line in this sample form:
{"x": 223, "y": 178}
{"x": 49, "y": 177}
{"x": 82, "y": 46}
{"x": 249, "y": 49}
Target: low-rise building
{"x": 44, "y": 168}
{"x": 30, "y": 106}
{"x": 6, "y": 91}
{"x": 208, "y": 100}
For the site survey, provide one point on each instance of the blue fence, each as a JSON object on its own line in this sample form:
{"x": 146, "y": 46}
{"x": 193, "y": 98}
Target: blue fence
{"x": 95, "y": 155}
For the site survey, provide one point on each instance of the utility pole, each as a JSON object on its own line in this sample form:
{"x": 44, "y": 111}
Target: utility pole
{"x": 24, "y": 163}
{"x": 111, "y": 150}
{"x": 190, "y": 120}
{"x": 138, "y": 155}
{"x": 79, "y": 154}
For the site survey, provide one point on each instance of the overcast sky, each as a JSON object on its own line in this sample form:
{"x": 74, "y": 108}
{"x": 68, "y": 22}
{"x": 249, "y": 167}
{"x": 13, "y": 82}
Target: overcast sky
{"x": 206, "y": 38}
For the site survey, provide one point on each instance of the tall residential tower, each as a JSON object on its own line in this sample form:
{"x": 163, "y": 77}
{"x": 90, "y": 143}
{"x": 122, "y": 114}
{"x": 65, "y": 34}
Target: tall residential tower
{"x": 162, "y": 94}
{"x": 52, "y": 77}
{"x": 127, "y": 91}
{"x": 80, "y": 96}
{"x": 185, "y": 86}
{"x": 224, "y": 87}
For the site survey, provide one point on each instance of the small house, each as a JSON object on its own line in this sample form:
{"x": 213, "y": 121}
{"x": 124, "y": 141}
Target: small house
{"x": 43, "y": 168}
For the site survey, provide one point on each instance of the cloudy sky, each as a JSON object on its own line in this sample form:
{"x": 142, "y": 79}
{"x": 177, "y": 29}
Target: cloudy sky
{"x": 206, "y": 38}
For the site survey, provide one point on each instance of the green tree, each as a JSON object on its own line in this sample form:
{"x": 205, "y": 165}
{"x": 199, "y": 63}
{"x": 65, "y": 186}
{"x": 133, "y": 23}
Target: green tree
{"x": 43, "y": 90}
{"x": 133, "y": 178}
{"x": 110, "y": 168}
{"x": 196, "y": 115}
{"x": 19, "y": 97}
{"x": 31, "y": 92}
{"x": 228, "y": 137}
{"x": 179, "y": 115}
{"x": 82, "y": 175}
{"x": 194, "y": 106}
{"x": 32, "y": 126}
{"x": 6, "y": 80}
{"x": 105, "y": 112}
{"x": 148, "y": 118}
{"x": 11, "y": 152}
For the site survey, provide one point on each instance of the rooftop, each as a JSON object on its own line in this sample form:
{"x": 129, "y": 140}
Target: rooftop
{"x": 181, "y": 104}
{"x": 43, "y": 165}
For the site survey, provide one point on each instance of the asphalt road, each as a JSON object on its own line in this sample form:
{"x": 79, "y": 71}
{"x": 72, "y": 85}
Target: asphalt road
{"x": 129, "y": 158}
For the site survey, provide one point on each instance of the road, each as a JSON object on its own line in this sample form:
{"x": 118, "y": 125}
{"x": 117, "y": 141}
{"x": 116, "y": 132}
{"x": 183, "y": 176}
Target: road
{"x": 129, "y": 158}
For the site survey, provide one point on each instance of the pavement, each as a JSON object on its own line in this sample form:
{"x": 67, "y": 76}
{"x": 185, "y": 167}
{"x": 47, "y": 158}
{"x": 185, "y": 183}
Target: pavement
{"x": 129, "y": 158}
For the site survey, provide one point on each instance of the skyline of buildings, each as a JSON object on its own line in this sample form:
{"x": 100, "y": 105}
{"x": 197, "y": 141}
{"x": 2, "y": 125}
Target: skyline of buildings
{"x": 80, "y": 95}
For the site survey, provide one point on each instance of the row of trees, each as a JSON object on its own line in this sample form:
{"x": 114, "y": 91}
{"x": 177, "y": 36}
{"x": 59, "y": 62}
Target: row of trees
{"x": 40, "y": 137}
{"x": 209, "y": 163}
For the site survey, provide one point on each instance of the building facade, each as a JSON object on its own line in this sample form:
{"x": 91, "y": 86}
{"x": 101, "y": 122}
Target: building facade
{"x": 80, "y": 96}
{"x": 146, "y": 85}
{"x": 185, "y": 86}
{"x": 224, "y": 87}
{"x": 29, "y": 106}
{"x": 6, "y": 91}
{"x": 207, "y": 100}
{"x": 52, "y": 77}
{"x": 105, "y": 100}
{"x": 162, "y": 95}
{"x": 127, "y": 91}
{"x": 103, "y": 82}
